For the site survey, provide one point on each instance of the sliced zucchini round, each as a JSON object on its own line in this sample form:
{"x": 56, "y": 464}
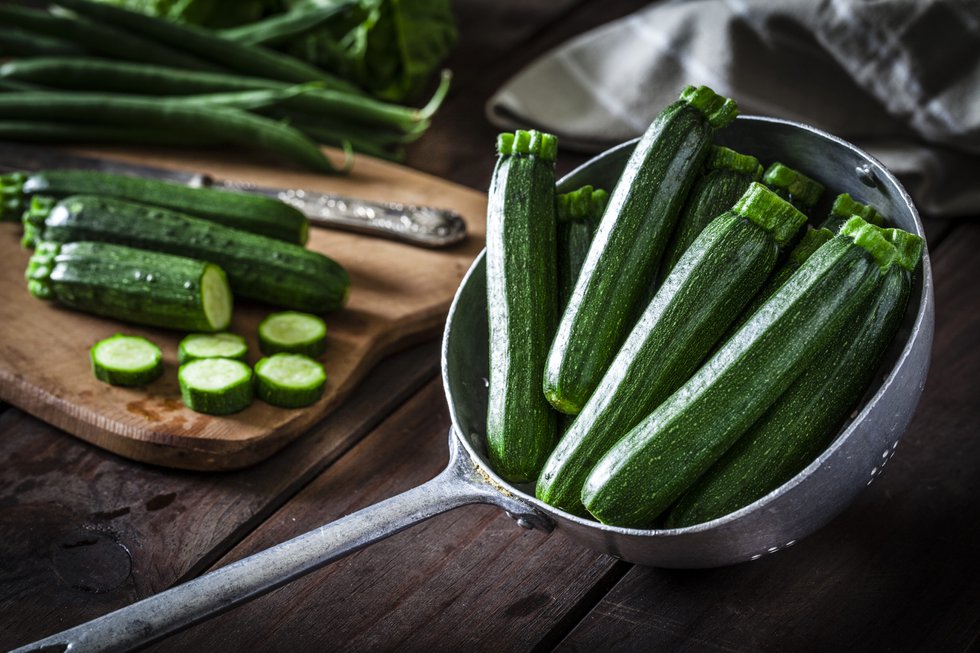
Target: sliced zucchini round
{"x": 211, "y": 345}
{"x": 126, "y": 360}
{"x": 216, "y": 386}
{"x": 290, "y": 380}
{"x": 293, "y": 332}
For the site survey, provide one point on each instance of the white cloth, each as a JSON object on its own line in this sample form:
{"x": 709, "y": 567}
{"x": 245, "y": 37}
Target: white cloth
{"x": 900, "y": 78}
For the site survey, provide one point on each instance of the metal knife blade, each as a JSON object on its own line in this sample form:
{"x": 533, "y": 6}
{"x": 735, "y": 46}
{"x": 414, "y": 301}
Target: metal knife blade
{"x": 417, "y": 225}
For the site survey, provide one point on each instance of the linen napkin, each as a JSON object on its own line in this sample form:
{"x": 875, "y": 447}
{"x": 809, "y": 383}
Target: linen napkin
{"x": 899, "y": 78}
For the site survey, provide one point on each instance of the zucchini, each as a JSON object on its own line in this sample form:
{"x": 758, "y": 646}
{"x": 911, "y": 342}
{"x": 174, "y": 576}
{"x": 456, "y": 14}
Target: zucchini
{"x": 289, "y": 380}
{"x": 805, "y": 418}
{"x": 622, "y": 261}
{"x": 714, "y": 279}
{"x": 259, "y": 268}
{"x": 132, "y": 285}
{"x": 578, "y": 215}
{"x": 211, "y": 345}
{"x": 811, "y": 241}
{"x": 727, "y": 176}
{"x": 522, "y": 302}
{"x": 294, "y": 333}
{"x": 793, "y": 186}
{"x": 246, "y": 211}
{"x": 216, "y": 386}
{"x": 652, "y": 465}
{"x": 126, "y": 360}
{"x": 844, "y": 207}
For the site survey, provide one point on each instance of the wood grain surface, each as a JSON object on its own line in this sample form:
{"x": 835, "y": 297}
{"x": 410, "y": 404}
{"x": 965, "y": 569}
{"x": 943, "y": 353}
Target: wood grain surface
{"x": 84, "y": 532}
{"x": 399, "y": 296}
{"x": 896, "y": 572}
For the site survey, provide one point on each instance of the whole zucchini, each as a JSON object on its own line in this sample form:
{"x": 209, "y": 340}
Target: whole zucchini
{"x": 727, "y": 176}
{"x": 623, "y": 259}
{"x": 578, "y": 214}
{"x": 522, "y": 302}
{"x": 722, "y": 269}
{"x": 793, "y": 186}
{"x": 660, "y": 458}
{"x": 806, "y": 417}
{"x": 249, "y": 212}
{"x": 132, "y": 285}
{"x": 259, "y": 268}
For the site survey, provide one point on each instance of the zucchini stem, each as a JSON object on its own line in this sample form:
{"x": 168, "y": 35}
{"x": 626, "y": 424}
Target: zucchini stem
{"x": 528, "y": 143}
{"x": 723, "y": 158}
{"x": 872, "y": 239}
{"x": 771, "y": 212}
{"x": 792, "y": 184}
{"x": 718, "y": 109}
{"x": 585, "y": 203}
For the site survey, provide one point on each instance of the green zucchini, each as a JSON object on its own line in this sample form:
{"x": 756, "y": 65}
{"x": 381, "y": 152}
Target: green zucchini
{"x": 811, "y": 241}
{"x": 652, "y": 465}
{"x": 126, "y": 360}
{"x": 289, "y": 380}
{"x": 211, "y": 345}
{"x": 623, "y": 259}
{"x": 722, "y": 269}
{"x": 793, "y": 186}
{"x": 259, "y": 268}
{"x": 844, "y": 207}
{"x": 727, "y": 176}
{"x": 132, "y": 285}
{"x": 578, "y": 215}
{"x": 293, "y": 333}
{"x": 246, "y": 211}
{"x": 216, "y": 386}
{"x": 805, "y": 418}
{"x": 522, "y": 302}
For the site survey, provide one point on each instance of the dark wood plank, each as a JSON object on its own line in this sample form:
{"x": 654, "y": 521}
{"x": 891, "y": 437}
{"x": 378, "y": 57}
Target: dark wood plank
{"x": 899, "y": 570}
{"x": 467, "y": 580}
{"x": 83, "y": 532}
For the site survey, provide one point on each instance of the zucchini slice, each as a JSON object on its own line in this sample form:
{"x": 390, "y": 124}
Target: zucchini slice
{"x": 211, "y": 345}
{"x": 290, "y": 380}
{"x": 292, "y": 332}
{"x": 126, "y": 360}
{"x": 215, "y": 386}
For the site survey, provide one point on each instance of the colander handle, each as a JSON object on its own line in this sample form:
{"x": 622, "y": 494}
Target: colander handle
{"x": 155, "y": 617}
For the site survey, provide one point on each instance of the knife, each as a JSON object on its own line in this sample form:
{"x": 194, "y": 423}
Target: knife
{"x": 422, "y": 226}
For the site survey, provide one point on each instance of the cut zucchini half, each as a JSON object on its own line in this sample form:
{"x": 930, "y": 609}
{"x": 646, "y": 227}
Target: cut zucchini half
{"x": 211, "y": 345}
{"x": 293, "y": 332}
{"x": 216, "y": 297}
{"x": 290, "y": 380}
{"x": 126, "y": 360}
{"x": 216, "y": 386}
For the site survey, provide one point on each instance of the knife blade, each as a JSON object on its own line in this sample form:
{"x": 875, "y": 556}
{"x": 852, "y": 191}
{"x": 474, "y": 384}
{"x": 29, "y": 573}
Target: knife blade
{"x": 422, "y": 226}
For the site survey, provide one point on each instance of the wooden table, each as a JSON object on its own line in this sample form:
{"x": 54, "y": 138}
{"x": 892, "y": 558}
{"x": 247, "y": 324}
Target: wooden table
{"x": 83, "y": 532}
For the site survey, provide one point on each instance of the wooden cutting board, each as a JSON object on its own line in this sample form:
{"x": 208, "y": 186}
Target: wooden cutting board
{"x": 400, "y": 295}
